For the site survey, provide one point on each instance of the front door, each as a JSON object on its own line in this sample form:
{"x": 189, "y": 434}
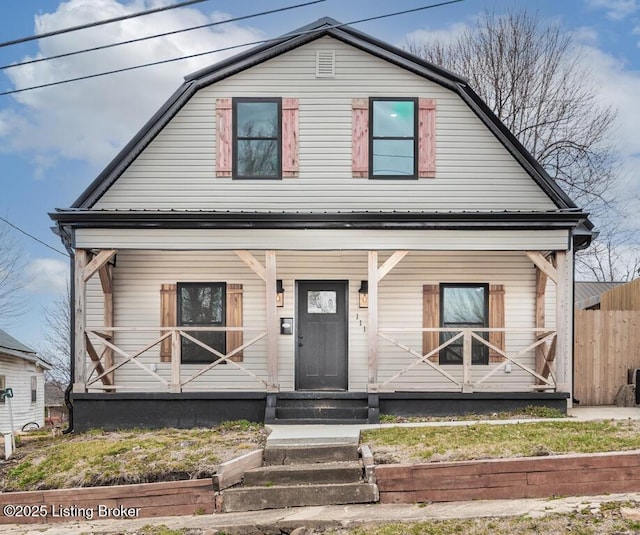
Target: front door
{"x": 321, "y": 336}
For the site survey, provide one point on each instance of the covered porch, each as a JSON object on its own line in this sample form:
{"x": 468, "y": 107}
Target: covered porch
{"x": 394, "y": 351}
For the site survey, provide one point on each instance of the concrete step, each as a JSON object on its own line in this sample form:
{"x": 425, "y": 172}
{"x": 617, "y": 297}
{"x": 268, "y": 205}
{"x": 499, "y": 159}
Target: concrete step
{"x": 279, "y": 455}
{"x": 276, "y": 497}
{"x": 317, "y": 421}
{"x": 327, "y": 413}
{"x": 300, "y": 474}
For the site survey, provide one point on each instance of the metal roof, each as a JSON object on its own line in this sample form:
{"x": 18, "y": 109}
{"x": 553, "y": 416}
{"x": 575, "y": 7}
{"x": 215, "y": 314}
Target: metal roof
{"x": 14, "y": 348}
{"x": 587, "y": 294}
{"x": 320, "y": 28}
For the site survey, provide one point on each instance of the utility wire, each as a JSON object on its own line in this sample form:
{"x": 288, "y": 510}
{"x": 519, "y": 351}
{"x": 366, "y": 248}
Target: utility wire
{"x": 33, "y": 237}
{"x": 284, "y": 37}
{"x": 155, "y": 36}
{"x": 98, "y": 23}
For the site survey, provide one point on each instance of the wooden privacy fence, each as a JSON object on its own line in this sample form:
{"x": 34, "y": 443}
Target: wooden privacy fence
{"x": 607, "y": 345}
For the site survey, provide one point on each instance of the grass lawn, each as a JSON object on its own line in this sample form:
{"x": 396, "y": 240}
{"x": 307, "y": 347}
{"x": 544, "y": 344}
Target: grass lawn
{"x": 99, "y": 458}
{"x": 488, "y": 441}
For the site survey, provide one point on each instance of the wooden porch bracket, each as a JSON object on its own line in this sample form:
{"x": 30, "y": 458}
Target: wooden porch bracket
{"x": 253, "y": 263}
{"x": 97, "y": 262}
{"x": 390, "y": 263}
{"x": 106, "y": 280}
{"x": 543, "y": 265}
{"x": 375, "y": 275}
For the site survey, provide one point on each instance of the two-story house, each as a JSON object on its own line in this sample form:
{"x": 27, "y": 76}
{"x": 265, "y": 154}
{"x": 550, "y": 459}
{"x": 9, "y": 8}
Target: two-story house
{"x": 322, "y": 227}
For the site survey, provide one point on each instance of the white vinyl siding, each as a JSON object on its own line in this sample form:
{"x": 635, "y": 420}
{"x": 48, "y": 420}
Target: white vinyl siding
{"x": 474, "y": 171}
{"x": 139, "y": 275}
{"x": 310, "y": 239}
{"x": 18, "y": 374}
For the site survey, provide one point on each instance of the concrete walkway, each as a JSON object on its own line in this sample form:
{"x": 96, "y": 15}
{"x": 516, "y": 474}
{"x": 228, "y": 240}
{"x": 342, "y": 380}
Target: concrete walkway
{"x": 297, "y": 435}
{"x": 326, "y": 517}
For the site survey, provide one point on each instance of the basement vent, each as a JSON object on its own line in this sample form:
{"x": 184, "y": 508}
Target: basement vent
{"x": 325, "y": 64}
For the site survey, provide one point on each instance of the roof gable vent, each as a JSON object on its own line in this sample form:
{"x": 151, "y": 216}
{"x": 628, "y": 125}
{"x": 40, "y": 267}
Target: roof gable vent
{"x": 325, "y": 64}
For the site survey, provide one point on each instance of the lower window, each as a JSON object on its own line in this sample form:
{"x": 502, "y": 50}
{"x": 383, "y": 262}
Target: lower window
{"x": 464, "y": 306}
{"x": 202, "y": 304}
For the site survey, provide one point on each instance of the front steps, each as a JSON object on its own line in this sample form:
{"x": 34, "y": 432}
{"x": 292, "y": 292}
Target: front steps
{"x": 295, "y": 476}
{"x": 321, "y": 408}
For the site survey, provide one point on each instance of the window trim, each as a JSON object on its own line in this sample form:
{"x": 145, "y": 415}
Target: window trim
{"x": 416, "y": 137}
{"x": 3, "y": 386}
{"x": 234, "y": 151}
{"x": 485, "y": 350}
{"x": 179, "y": 323}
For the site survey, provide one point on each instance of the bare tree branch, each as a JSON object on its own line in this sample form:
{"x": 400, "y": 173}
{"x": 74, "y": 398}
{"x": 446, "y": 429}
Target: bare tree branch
{"x": 57, "y": 336}
{"x": 12, "y": 278}
{"x": 535, "y": 81}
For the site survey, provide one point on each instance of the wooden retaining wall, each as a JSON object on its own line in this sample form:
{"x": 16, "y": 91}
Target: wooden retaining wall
{"x": 95, "y": 503}
{"x": 561, "y": 475}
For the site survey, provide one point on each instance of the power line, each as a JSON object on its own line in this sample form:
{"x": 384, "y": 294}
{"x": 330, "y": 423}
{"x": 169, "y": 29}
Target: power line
{"x": 287, "y": 36}
{"x": 32, "y": 237}
{"x": 98, "y": 23}
{"x": 155, "y": 36}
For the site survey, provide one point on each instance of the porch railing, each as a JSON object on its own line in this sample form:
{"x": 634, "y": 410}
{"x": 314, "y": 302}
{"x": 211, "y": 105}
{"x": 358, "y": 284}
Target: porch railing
{"x": 101, "y": 377}
{"x": 541, "y": 381}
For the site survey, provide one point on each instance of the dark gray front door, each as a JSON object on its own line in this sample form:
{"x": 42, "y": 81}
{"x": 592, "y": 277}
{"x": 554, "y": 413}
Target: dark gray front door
{"x": 321, "y": 336}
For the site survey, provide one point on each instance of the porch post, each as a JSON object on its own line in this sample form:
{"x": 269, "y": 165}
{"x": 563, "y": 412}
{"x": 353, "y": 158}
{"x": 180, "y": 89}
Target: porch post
{"x": 564, "y": 325}
{"x": 272, "y": 319}
{"x": 175, "y": 385}
{"x": 80, "y": 343}
{"x": 541, "y": 290}
{"x": 373, "y": 319}
{"x": 467, "y": 359}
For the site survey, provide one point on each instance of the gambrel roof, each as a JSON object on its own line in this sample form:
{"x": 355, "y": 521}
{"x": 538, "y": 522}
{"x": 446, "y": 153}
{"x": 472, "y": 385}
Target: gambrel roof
{"x": 322, "y": 27}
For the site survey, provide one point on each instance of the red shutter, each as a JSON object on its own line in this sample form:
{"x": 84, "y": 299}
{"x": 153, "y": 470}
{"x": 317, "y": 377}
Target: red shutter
{"x": 290, "y": 164}
{"x": 234, "y": 319}
{"x": 168, "y": 317}
{"x": 427, "y": 138}
{"x": 430, "y": 319}
{"x": 224, "y": 136}
{"x": 360, "y": 138}
{"x": 496, "y": 320}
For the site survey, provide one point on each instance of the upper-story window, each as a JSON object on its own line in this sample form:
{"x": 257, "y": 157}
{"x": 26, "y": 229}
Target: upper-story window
{"x": 257, "y": 138}
{"x": 393, "y": 137}
{"x": 393, "y": 140}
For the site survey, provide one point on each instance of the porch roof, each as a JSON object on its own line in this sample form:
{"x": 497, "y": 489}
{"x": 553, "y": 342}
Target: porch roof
{"x": 567, "y": 218}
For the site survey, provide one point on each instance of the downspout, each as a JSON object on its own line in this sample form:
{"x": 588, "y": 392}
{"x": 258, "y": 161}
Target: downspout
{"x": 65, "y": 236}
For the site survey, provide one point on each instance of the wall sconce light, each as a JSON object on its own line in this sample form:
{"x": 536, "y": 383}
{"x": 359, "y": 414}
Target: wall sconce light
{"x": 279, "y": 293}
{"x": 364, "y": 294}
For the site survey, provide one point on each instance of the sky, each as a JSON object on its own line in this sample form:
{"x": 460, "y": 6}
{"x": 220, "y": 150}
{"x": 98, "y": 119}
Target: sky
{"x": 54, "y": 141}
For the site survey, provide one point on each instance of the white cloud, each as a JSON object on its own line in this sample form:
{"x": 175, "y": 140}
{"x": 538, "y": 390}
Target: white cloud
{"x": 445, "y": 36}
{"x": 47, "y": 275}
{"x": 90, "y": 120}
{"x": 616, "y": 9}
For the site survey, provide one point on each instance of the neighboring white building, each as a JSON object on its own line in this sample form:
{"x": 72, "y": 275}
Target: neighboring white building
{"x": 23, "y": 371}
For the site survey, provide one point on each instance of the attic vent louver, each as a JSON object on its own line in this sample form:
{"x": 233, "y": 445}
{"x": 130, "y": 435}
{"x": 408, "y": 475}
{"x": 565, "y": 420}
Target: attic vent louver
{"x": 325, "y": 64}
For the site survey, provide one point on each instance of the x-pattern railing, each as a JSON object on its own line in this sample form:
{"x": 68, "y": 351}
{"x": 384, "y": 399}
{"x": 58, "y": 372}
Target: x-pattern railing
{"x": 101, "y": 378}
{"x": 468, "y": 335}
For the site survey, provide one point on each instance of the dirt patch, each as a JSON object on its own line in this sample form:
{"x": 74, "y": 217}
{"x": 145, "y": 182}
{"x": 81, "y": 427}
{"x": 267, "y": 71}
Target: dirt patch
{"x": 100, "y": 458}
